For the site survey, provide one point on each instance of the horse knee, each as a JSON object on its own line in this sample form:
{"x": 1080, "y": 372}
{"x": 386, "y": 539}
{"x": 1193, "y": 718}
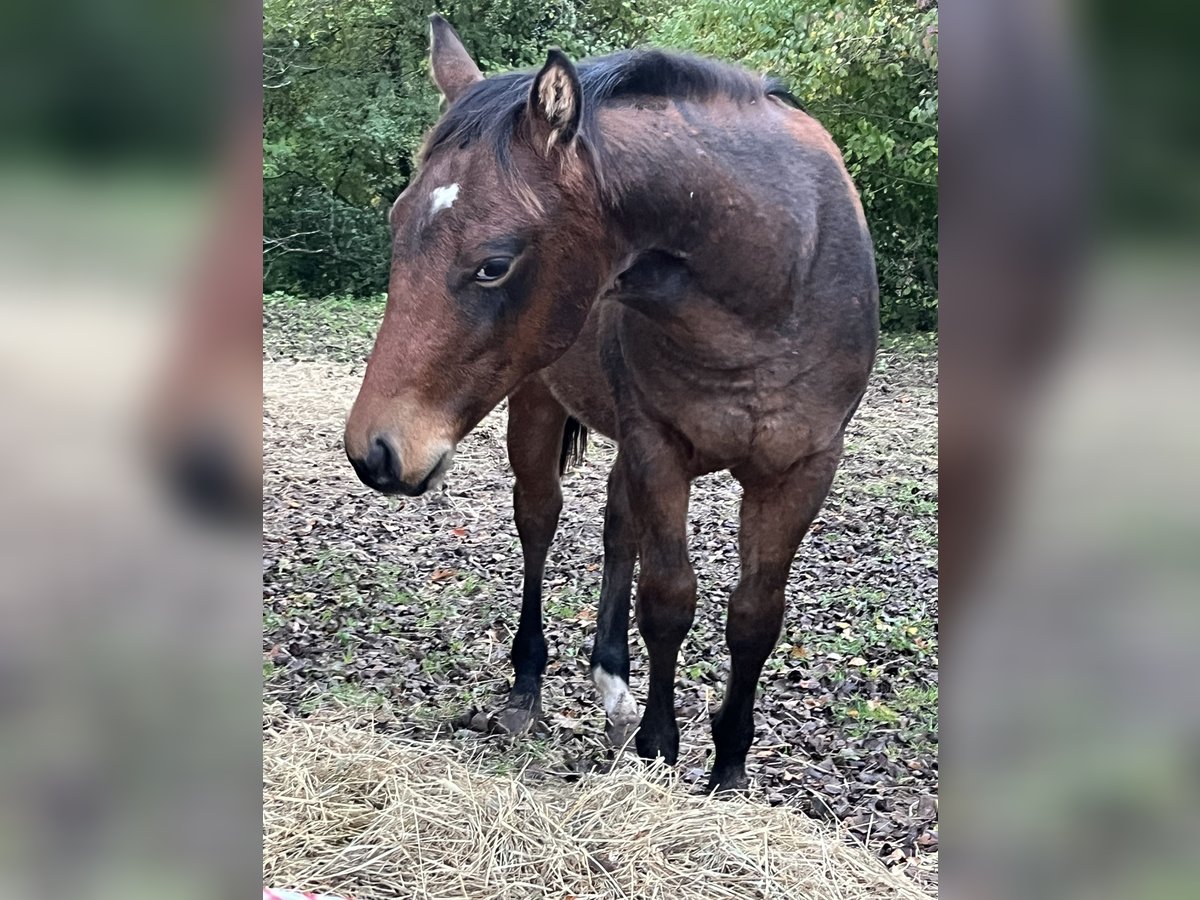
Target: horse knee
{"x": 536, "y": 512}
{"x": 754, "y": 620}
{"x": 666, "y": 605}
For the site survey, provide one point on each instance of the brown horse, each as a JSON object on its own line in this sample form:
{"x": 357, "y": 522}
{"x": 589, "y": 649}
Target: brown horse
{"x": 667, "y": 250}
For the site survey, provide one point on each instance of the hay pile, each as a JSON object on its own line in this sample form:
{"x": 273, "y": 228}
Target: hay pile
{"x": 353, "y": 812}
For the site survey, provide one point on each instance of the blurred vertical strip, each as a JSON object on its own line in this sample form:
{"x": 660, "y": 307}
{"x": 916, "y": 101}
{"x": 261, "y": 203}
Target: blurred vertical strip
{"x": 1014, "y": 211}
{"x": 1069, "y": 437}
{"x": 130, "y": 249}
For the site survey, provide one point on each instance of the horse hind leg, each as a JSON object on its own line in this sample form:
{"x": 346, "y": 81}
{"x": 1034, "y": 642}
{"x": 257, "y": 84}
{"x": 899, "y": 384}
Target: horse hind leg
{"x": 775, "y": 515}
{"x": 536, "y": 423}
{"x": 610, "y": 652}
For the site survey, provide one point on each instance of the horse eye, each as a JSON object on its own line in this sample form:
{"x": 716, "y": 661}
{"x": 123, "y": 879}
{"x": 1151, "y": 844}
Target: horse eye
{"x": 493, "y": 269}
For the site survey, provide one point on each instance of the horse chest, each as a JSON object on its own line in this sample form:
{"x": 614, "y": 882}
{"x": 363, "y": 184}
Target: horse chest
{"x": 732, "y": 419}
{"x": 763, "y": 415}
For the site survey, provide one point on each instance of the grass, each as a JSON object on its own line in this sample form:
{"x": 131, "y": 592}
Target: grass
{"x": 914, "y": 638}
{"x": 341, "y": 328}
{"x": 906, "y": 344}
{"x": 914, "y": 497}
{"x": 703, "y": 671}
{"x": 564, "y": 605}
{"x": 346, "y": 696}
{"x": 912, "y": 712}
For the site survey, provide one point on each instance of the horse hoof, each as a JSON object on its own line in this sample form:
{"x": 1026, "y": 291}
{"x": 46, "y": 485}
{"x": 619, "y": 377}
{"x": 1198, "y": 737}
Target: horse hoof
{"x": 516, "y": 718}
{"x": 662, "y": 745}
{"x": 621, "y": 710}
{"x": 621, "y": 728}
{"x": 728, "y": 783}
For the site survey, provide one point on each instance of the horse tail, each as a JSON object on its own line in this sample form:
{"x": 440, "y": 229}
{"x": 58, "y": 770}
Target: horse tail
{"x": 574, "y": 444}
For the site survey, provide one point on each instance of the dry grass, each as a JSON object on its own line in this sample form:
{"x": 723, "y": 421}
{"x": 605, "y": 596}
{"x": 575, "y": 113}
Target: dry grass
{"x": 358, "y": 813}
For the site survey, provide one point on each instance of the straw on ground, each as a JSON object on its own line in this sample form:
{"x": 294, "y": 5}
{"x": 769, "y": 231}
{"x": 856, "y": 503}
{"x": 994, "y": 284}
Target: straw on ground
{"x": 354, "y": 812}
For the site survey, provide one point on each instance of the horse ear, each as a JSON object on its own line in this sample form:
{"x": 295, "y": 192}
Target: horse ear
{"x": 556, "y": 100}
{"x": 453, "y": 69}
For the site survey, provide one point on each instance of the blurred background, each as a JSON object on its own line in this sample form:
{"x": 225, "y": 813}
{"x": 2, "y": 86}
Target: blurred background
{"x": 133, "y": 237}
{"x": 130, "y": 259}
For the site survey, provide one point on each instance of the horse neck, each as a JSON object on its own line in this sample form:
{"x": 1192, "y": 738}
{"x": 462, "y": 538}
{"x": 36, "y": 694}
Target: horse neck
{"x": 664, "y": 181}
{"x": 699, "y": 185}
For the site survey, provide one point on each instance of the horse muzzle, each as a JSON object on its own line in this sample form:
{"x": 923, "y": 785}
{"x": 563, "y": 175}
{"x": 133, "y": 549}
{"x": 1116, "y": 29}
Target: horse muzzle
{"x": 382, "y": 469}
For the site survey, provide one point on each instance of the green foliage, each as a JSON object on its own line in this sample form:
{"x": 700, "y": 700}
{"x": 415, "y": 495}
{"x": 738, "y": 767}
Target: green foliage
{"x": 347, "y": 100}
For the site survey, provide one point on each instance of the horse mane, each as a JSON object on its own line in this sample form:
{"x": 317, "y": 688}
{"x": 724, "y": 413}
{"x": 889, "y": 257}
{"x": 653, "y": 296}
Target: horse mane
{"x": 490, "y": 110}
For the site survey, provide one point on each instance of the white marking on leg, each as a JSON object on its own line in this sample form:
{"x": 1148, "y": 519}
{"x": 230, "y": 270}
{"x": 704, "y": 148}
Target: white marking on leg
{"x": 442, "y": 198}
{"x": 618, "y": 702}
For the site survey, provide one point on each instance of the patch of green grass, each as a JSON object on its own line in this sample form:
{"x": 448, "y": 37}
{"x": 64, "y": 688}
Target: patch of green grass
{"x": 341, "y": 328}
{"x": 512, "y": 759}
{"x": 450, "y": 705}
{"x": 865, "y": 638}
{"x": 920, "y": 706}
{"x": 925, "y": 536}
{"x": 878, "y": 636}
{"x": 563, "y": 606}
{"x": 432, "y": 615}
{"x": 914, "y": 343}
{"x": 867, "y": 714}
{"x": 704, "y": 670}
{"x": 436, "y": 664}
{"x": 350, "y": 696}
{"x": 908, "y": 494}
{"x": 851, "y": 598}
{"x": 272, "y": 621}
{"x": 463, "y": 586}
{"x": 912, "y": 712}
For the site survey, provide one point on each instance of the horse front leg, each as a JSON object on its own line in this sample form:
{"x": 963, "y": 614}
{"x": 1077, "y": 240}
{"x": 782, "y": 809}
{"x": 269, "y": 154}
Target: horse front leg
{"x": 610, "y": 652}
{"x": 535, "y": 434}
{"x": 775, "y": 515}
{"x": 657, "y": 489}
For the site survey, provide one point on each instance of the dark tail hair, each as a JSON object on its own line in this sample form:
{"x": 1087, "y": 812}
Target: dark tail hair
{"x": 574, "y": 444}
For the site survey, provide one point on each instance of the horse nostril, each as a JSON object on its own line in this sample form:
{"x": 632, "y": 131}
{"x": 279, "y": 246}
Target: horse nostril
{"x": 382, "y": 464}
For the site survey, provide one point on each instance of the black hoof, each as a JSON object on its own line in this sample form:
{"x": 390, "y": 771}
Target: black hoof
{"x": 728, "y": 781}
{"x": 519, "y": 715}
{"x": 662, "y": 744}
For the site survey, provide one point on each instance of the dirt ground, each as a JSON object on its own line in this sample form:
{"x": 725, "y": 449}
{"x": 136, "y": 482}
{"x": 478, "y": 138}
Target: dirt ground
{"x": 408, "y": 606}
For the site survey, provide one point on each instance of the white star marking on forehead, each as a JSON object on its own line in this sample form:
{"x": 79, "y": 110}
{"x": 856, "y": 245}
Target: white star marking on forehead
{"x": 442, "y": 198}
